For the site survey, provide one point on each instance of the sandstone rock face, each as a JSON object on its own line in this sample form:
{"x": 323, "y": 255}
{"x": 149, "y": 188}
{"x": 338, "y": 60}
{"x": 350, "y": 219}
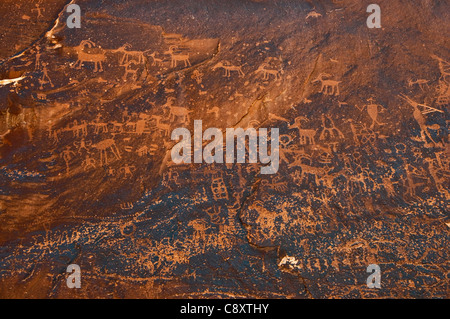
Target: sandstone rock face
{"x": 87, "y": 175}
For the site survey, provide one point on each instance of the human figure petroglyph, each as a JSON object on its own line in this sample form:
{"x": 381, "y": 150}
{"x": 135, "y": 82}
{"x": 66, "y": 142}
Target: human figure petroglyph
{"x": 228, "y": 67}
{"x": 329, "y": 87}
{"x": 411, "y": 186}
{"x": 100, "y": 125}
{"x": 434, "y": 172}
{"x": 306, "y": 136}
{"x": 199, "y": 227}
{"x": 177, "y": 57}
{"x": 355, "y": 180}
{"x": 89, "y": 162}
{"x": 67, "y": 154}
{"x": 388, "y": 185}
{"x": 215, "y": 216}
{"x": 53, "y": 132}
{"x": 372, "y": 110}
{"x": 39, "y": 10}
{"x": 285, "y": 141}
{"x": 83, "y": 57}
{"x": 197, "y": 76}
{"x": 420, "y": 119}
{"x": 127, "y": 170}
{"x": 103, "y": 147}
{"x": 45, "y": 77}
{"x": 329, "y": 130}
{"x": 263, "y": 68}
{"x": 443, "y": 159}
{"x": 361, "y": 133}
{"x": 37, "y": 63}
{"x": 82, "y": 145}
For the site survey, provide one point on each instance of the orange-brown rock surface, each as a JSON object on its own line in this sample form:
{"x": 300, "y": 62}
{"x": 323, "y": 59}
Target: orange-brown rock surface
{"x": 86, "y": 175}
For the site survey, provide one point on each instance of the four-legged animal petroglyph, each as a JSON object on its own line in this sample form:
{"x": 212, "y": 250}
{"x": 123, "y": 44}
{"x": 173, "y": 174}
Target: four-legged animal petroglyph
{"x": 268, "y": 72}
{"x": 137, "y": 56}
{"x": 129, "y": 70}
{"x": 84, "y": 57}
{"x": 156, "y": 61}
{"x": 313, "y": 14}
{"x": 177, "y": 57}
{"x": 177, "y": 111}
{"x": 420, "y": 82}
{"x": 228, "y": 67}
{"x": 329, "y": 87}
{"x": 306, "y": 136}
{"x": 103, "y": 147}
{"x": 165, "y": 128}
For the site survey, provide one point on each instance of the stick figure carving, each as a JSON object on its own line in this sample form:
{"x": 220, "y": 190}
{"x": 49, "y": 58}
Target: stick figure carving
{"x": 39, "y": 10}
{"x": 45, "y": 78}
{"x": 37, "y": 63}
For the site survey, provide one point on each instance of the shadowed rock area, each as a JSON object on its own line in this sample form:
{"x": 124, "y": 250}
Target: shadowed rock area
{"x": 86, "y": 175}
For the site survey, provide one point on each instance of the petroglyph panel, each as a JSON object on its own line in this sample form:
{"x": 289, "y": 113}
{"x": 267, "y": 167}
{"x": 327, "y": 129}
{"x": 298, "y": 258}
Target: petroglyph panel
{"x": 361, "y": 149}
